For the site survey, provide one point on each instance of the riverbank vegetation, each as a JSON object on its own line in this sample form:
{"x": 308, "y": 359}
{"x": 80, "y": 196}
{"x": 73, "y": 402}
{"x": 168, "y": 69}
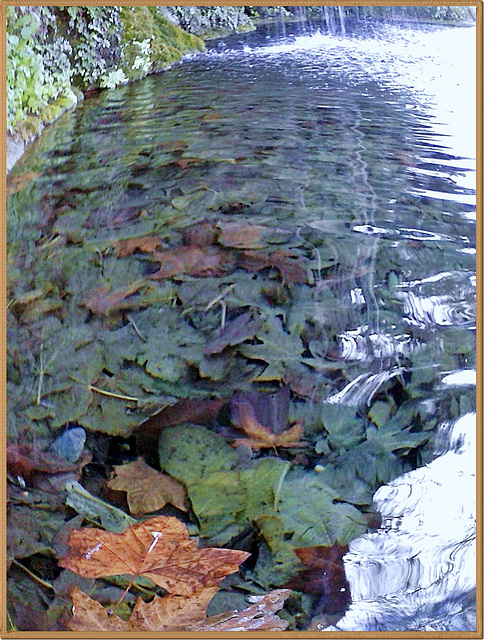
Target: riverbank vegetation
{"x": 54, "y": 54}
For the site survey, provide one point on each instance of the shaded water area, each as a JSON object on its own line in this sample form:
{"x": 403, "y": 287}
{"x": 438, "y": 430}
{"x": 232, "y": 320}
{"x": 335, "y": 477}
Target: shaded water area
{"x": 309, "y": 204}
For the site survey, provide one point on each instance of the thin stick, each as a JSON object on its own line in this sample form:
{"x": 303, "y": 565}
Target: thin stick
{"x": 224, "y": 314}
{"x": 277, "y": 492}
{"x": 111, "y": 395}
{"x": 32, "y": 575}
{"x": 219, "y": 297}
{"x": 41, "y": 373}
{"x": 136, "y": 328}
{"x": 9, "y": 620}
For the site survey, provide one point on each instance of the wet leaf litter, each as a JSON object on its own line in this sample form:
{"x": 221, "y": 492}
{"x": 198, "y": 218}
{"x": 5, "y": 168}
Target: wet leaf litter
{"x": 191, "y": 348}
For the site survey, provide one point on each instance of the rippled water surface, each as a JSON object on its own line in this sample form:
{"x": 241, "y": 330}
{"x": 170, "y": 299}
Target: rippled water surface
{"x": 362, "y": 148}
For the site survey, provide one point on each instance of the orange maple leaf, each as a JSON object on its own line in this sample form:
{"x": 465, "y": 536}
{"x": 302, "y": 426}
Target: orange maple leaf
{"x": 158, "y": 548}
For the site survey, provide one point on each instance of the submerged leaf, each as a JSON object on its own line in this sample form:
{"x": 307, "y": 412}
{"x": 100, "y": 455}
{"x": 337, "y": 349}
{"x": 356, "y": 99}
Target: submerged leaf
{"x": 172, "y": 613}
{"x": 158, "y": 548}
{"x": 147, "y": 489}
{"x": 239, "y": 236}
{"x": 259, "y": 616}
{"x": 178, "y": 613}
{"x": 193, "y": 260}
{"x": 324, "y": 576}
{"x": 104, "y": 301}
{"x": 144, "y": 244}
{"x": 234, "y": 332}
{"x": 291, "y": 266}
{"x": 259, "y": 435}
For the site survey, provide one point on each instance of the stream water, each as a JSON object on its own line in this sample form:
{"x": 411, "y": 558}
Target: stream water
{"x": 366, "y": 146}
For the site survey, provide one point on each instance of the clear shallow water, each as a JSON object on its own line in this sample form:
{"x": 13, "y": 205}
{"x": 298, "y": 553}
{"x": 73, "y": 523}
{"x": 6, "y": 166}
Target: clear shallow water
{"x": 362, "y": 148}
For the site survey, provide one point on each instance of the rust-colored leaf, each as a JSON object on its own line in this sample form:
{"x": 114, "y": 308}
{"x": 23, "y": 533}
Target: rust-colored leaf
{"x": 291, "y": 266}
{"x": 103, "y": 301}
{"x": 43, "y": 469}
{"x": 242, "y": 236}
{"x": 90, "y": 615}
{"x": 260, "y": 616}
{"x": 260, "y": 436}
{"x": 172, "y": 613}
{"x": 183, "y": 163}
{"x": 179, "y": 613}
{"x": 148, "y": 490}
{"x": 114, "y": 219}
{"x": 195, "y": 261}
{"x": 158, "y": 548}
{"x": 324, "y": 576}
{"x": 200, "y": 234}
{"x": 144, "y": 244}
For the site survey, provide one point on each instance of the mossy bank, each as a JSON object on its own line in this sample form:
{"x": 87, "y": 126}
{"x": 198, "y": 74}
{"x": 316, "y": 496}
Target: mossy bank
{"x": 56, "y": 54}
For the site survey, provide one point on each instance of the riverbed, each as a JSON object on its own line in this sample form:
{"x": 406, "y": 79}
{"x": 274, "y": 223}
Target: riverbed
{"x": 340, "y": 173}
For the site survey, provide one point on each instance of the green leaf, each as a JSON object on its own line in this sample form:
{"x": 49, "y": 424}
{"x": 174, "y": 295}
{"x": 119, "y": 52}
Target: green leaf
{"x": 94, "y": 509}
{"x": 344, "y": 428}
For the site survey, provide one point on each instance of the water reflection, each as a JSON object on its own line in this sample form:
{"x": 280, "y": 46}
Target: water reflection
{"x": 418, "y": 573}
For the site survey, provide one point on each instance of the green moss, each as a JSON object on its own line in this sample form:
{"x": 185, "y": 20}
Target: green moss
{"x": 152, "y": 43}
{"x": 31, "y": 126}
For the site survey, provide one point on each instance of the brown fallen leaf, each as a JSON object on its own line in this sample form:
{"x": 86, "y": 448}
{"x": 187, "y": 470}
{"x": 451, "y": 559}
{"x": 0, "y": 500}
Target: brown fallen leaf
{"x": 200, "y": 234}
{"x": 148, "y": 490}
{"x": 183, "y": 163}
{"x": 103, "y": 301}
{"x": 90, "y": 615}
{"x": 178, "y": 613}
{"x": 234, "y": 332}
{"x": 242, "y": 236}
{"x": 260, "y": 436}
{"x": 42, "y": 469}
{"x": 172, "y": 613}
{"x": 195, "y": 261}
{"x": 144, "y": 244}
{"x": 325, "y": 576}
{"x": 114, "y": 219}
{"x": 199, "y": 411}
{"x": 158, "y": 548}
{"x": 292, "y": 267}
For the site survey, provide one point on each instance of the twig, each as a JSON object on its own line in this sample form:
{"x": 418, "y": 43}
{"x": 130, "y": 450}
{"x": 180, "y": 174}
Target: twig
{"x": 277, "y": 492}
{"x": 224, "y": 314}
{"x": 41, "y": 372}
{"x": 136, "y": 328}
{"x": 110, "y": 394}
{"x": 219, "y": 297}
{"x": 9, "y": 620}
{"x": 32, "y": 575}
